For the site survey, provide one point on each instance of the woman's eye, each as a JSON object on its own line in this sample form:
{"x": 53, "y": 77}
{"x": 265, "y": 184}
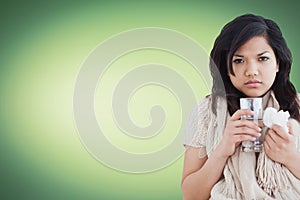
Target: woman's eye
{"x": 238, "y": 60}
{"x": 263, "y": 58}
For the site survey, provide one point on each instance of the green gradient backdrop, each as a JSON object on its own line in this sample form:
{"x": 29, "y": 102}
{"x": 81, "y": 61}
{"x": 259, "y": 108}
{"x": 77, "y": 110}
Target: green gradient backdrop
{"x": 43, "y": 45}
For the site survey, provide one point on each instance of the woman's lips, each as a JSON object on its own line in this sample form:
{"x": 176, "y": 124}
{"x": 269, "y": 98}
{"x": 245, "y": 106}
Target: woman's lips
{"x": 253, "y": 83}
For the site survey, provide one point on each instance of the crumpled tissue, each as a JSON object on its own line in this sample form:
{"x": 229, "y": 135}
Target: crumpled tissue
{"x": 272, "y": 117}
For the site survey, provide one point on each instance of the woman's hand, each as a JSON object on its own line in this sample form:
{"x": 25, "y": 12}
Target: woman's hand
{"x": 280, "y": 145}
{"x": 236, "y": 131}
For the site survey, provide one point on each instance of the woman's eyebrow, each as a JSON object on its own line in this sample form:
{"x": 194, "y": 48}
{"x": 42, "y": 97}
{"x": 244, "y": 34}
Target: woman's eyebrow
{"x": 237, "y": 55}
{"x": 263, "y": 53}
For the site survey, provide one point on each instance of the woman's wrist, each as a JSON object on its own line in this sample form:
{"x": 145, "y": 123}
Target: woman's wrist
{"x": 292, "y": 159}
{"x": 292, "y": 164}
{"x": 218, "y": 155}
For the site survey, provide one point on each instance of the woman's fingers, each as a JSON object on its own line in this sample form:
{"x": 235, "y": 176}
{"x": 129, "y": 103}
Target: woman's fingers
{"x": 238, "y": 114}
{"x": 278, "y": 130}
{"x": 246, "y": 131}
{"x": 247, "y": 123}
{"x": 290, "y": 127}
{"x": 238, "y": 130}
{"x": 241, "y": 138}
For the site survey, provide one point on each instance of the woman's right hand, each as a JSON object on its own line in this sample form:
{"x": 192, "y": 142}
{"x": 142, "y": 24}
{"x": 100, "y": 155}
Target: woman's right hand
{"x": 236, "y": 131}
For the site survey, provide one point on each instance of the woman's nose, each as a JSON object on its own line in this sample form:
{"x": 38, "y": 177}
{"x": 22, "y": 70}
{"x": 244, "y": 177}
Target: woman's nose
{"x": 251, "y": 69}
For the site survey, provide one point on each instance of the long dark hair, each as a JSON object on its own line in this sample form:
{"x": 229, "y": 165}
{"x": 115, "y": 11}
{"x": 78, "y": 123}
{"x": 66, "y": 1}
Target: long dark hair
{"x": 234, "y": 35}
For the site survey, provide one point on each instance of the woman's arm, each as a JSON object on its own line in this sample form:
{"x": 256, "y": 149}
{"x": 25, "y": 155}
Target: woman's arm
{"x": 197, "y": 184}
{"x": 200, "y": 175}
{"x": 280, "y": 146}
{"x": 293, "y": 164}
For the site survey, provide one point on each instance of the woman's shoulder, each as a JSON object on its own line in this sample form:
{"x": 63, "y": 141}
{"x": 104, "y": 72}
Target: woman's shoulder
{"x": 203, "y": 104}
{"x": 200, "y": 109}
{"x": 205, "y": 100}
{"x": 197, "y": 124}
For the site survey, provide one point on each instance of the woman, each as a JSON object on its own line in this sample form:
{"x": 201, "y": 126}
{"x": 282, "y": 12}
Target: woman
{"x": 250, "y": 58}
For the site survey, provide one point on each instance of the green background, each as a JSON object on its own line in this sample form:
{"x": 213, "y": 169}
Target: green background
{"x": 43, "y": 45}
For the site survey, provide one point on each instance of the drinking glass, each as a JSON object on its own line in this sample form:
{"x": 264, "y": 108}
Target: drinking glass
{"x": 254, "y": 104}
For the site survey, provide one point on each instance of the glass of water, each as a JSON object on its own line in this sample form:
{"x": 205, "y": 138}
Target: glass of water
{"x": 254, "y": 104}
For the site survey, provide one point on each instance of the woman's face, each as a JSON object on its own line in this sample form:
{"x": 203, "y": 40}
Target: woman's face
{"x": 254, "y": 65}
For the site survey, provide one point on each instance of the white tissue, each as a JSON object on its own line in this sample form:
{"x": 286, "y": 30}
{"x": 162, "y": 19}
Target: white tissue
{"x": 271, "y": 117}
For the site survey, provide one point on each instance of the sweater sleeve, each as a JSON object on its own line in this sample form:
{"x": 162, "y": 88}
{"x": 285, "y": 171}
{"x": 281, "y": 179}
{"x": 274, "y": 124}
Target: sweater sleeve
{"x": 197, "y": 125}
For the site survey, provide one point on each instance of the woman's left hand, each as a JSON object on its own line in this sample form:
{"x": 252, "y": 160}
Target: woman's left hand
{"x": 280, "y": 145}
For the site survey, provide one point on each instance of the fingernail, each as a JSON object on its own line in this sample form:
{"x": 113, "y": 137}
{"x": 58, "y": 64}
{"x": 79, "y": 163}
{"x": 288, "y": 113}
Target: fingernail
{"x": 259, "y": 129}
